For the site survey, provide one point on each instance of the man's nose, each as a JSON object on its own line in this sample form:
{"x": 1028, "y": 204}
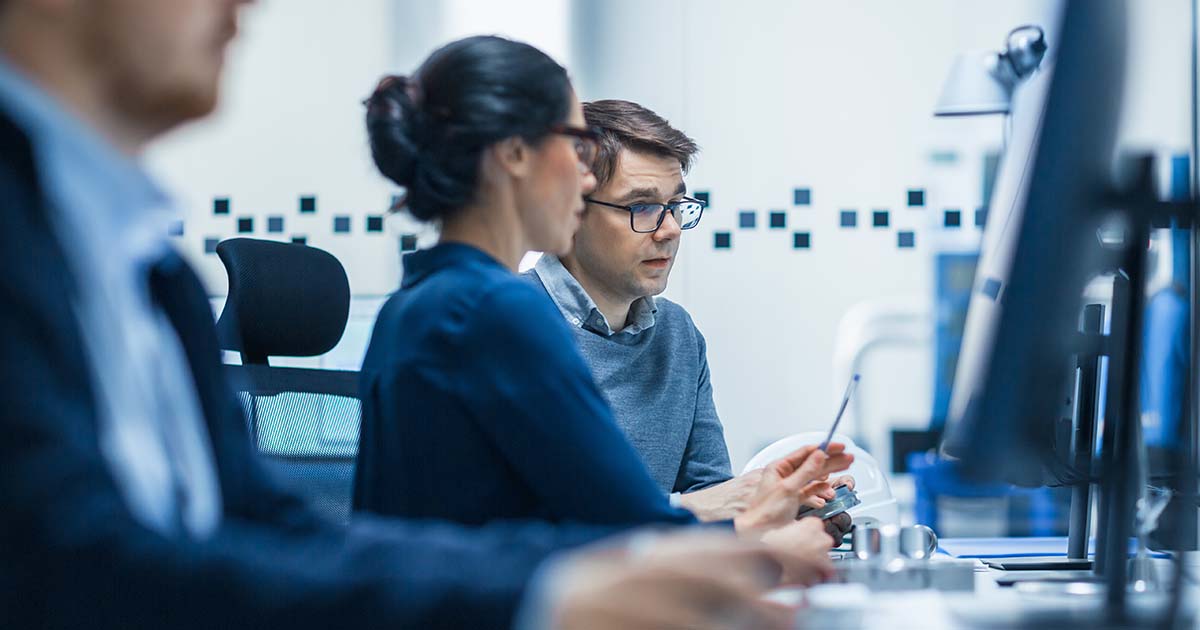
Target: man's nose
{"x": 668, "y": 229}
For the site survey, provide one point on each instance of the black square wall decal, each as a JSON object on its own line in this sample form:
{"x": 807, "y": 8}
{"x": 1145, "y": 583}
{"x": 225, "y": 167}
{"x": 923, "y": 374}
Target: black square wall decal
{"x": 175, "y": 228}
{"x": 879, "y": 218}
{"x": 408, "y": 242}
{"x": 341, "y": 225}
{"x": 375, "y": 224}
{"x": 275, "y": 225}
{"x": 778, "y": 219}
{"x": 746, "y": 219}
{"x": 801, "y": 240}
{"x": 906, "y": 240}
{"x": 722, "y": 240}
{"x": 952, "y": 219}
{"x": 848, "y": 219}
{"x": 702, "y": 195}
{"x": 980, "y": 217}
{"x": 802, "y": 197}
{"x": 300, "y": 240}
{"x": 308, "y": 204}
{"x": 916, "y": 197}
{"x": 210, "y": 244}
{"x": 245, "y": 225}
{"x": 221, "y": 205}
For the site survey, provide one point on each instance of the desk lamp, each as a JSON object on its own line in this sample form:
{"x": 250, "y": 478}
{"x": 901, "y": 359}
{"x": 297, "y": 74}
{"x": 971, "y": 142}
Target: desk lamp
{"x": 983, "y": 81}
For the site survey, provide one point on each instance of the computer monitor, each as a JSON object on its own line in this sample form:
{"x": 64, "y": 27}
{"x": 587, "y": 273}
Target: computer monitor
{"x": 1041, "y": 248}
{"x": 989, "y": 288}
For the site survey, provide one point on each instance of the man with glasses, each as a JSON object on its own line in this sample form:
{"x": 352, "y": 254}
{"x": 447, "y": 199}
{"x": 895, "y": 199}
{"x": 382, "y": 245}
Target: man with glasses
{"x": 646, "y": 354}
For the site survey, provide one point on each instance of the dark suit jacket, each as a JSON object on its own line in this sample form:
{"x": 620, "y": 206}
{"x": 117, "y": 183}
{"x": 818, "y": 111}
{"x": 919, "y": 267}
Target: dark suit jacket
{"x": 72, "y": 555}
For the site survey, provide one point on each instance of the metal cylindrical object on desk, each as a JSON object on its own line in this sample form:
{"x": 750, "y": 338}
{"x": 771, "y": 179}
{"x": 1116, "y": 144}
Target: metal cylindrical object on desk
{"x": 876, "y": 542}
{"x": 918, "y": 542}
{"x": 888, "y": 542}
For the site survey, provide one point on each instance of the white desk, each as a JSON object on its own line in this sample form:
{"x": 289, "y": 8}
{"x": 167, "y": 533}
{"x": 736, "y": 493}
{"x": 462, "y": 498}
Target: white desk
{"x": 834, "y": 606}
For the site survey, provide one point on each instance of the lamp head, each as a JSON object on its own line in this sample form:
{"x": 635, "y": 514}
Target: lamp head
{"x": 982, "y": 82}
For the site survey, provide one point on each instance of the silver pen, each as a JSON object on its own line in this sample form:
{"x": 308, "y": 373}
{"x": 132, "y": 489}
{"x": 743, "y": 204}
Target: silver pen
{"x": 845, "y": 400}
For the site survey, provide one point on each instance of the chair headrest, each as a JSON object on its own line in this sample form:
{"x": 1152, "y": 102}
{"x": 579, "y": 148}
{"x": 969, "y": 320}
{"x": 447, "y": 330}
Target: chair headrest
{"x": 285, "y": 299}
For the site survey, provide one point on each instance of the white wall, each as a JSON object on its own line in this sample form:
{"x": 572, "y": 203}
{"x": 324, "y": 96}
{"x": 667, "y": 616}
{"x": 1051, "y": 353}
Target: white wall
{"x": 832, "y": 96}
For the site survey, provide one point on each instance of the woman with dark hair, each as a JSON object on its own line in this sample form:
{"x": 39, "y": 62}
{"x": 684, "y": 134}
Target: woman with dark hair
{"x": 476, "y": 404}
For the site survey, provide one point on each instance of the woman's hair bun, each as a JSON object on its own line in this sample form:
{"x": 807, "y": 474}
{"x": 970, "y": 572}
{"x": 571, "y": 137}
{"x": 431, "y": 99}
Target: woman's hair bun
{"x": 393, "y": 122}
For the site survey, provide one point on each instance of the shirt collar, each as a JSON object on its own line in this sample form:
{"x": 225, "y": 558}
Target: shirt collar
{"x": 421, "y": 264}
{"x": 100, "y": 191}
{"x": 579, "y": 308}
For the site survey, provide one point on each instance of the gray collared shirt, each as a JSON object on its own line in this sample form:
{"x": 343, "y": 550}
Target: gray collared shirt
{"x": 112, "y": 221}
{"x": 654, "y": 374}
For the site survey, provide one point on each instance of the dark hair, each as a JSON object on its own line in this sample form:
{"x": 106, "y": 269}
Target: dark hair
{"x": 428, "y": 132}
{"x": 623, "y": 124}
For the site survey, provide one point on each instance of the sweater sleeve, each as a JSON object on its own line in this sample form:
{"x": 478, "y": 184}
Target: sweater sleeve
{"x": 705, "y": 458}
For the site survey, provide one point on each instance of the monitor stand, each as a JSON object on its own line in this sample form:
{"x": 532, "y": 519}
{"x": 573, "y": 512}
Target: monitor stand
{"x": 1088, "y": 357}
{"x": 1049, "y": 577}
{"x": 1039, "y": 563}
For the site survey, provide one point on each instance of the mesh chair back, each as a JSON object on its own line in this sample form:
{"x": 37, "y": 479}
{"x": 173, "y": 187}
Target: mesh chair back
{"x": 304, "y": 422}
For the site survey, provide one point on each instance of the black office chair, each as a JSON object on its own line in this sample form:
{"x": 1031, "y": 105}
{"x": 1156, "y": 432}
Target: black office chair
{"x": 290, "y": 300}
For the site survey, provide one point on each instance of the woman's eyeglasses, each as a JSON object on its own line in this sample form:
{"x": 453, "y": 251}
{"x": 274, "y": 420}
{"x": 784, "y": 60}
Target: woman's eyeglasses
{"x": 586, "y": 139}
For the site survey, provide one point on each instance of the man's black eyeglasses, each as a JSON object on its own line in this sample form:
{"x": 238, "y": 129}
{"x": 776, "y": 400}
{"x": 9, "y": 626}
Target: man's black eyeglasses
{"x": 645, "y": 218}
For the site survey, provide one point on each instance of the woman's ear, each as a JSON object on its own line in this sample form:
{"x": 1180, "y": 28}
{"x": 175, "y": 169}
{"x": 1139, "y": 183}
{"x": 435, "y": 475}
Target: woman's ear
{"x": 514, "y": 156}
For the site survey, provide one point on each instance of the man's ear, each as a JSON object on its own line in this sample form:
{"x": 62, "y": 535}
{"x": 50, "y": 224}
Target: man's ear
{"x": 514, "y": 156}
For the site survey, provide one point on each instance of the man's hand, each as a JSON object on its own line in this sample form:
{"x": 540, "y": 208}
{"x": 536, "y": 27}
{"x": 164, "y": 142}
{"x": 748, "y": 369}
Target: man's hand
{"x": 798, "y": 479}
{"x": 725, "y": 500}
{"x": 678, "y": 580}
{"x": 728, "y": 499}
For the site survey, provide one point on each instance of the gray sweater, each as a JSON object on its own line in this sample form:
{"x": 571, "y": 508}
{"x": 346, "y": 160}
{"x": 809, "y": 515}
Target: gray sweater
{"x": 654, "y": 374}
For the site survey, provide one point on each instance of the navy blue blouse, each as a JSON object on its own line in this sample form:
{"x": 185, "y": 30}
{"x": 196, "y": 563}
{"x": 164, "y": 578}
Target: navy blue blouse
{"x": 478, "y": 406}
